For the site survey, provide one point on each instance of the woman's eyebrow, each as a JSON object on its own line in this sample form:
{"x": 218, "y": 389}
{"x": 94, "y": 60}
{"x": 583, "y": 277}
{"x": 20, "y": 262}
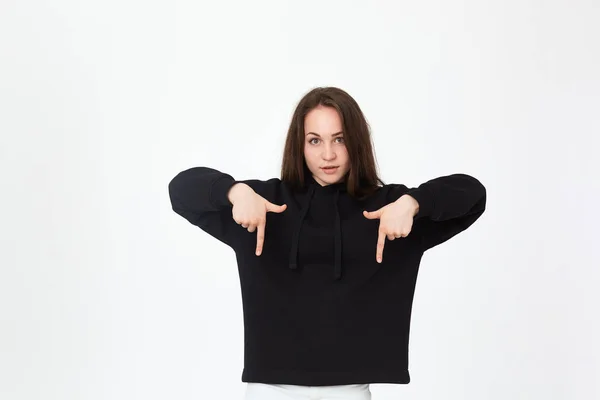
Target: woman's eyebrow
{"x": 316, "y": 134}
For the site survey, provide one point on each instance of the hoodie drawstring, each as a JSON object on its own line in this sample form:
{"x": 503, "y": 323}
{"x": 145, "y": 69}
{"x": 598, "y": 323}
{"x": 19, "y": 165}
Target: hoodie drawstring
{"x": 337, "y": 233}
{"x": 338, "y": 239}
{"x": 296, "y": 237}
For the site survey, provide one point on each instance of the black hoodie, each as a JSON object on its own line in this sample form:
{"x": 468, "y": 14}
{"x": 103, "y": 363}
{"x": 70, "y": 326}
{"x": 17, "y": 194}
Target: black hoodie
{"x": 318, "y": 308}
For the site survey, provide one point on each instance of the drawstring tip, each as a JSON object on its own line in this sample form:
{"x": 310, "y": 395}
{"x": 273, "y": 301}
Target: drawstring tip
{"x": 337, "y": 274}
{"x": 293, "y": 266}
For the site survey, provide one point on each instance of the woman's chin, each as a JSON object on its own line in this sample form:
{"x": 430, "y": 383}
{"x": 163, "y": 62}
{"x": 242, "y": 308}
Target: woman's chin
{"x": 330, "y": 179}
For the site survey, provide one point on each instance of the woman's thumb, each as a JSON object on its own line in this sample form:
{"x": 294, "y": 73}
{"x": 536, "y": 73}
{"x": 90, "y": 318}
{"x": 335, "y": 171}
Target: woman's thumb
{"x": 372, "y": 214}
{"x": 275, "y": 208}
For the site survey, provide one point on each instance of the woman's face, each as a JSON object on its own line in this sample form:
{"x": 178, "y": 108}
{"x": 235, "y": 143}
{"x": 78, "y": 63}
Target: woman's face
{"x": 324, "y": 145}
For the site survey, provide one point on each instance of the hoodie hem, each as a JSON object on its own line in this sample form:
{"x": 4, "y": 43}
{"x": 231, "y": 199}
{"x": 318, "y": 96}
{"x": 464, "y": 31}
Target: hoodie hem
{"x": 324, "y": 378}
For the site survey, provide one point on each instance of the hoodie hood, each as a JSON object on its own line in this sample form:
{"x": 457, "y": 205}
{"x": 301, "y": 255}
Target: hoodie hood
{"x": 314, "y": 187}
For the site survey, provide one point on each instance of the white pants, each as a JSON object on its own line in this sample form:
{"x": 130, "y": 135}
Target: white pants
{"x": 263, "y": 391}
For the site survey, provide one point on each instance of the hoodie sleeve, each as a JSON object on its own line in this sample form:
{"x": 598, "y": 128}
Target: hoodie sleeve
{"x": 447, "y": 206}
{"x": 199, "y": 195}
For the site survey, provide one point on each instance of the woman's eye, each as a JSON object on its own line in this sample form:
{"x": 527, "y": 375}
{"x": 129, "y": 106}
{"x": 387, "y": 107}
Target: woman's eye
{"x": 311, "y": 141}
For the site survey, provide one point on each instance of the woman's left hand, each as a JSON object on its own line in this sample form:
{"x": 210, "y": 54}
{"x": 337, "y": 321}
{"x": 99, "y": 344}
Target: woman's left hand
{"x": 396, "y": 220}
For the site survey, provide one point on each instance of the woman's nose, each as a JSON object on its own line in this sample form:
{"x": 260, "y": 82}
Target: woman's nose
{"x": 328, "y": 153}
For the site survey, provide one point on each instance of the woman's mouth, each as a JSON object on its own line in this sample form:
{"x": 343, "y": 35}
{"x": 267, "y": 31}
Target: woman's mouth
{"x": 330, "y": 170}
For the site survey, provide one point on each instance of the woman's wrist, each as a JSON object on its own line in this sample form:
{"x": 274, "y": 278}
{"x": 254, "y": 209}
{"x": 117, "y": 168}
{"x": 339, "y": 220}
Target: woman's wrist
{"x": 411, "y": 201}
{"x": 235, "y": 191}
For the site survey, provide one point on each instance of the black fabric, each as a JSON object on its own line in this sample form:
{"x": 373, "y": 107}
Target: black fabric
{"x": 318, "y": 308}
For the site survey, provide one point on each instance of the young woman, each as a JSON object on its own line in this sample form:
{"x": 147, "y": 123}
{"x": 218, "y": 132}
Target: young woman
{"x": 327, "y": 254}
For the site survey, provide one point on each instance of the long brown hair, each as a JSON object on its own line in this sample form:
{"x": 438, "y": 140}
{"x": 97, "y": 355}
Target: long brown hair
{"x": 362, "y": 179}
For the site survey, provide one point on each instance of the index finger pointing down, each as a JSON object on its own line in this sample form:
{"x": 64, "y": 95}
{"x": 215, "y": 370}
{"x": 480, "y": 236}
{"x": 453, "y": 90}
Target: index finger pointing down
{"x": 260, "y": 238}
{"x": 380, "y": 244}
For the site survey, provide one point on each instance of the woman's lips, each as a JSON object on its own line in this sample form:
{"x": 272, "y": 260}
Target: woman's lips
{"x": 330, "y": 171}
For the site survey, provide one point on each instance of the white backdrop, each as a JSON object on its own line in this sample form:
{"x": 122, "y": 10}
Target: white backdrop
{"x": 105, "y": 293}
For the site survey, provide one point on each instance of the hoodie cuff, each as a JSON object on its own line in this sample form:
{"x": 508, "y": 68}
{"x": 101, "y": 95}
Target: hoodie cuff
{"x": 219, "y": 190}
{"x": 425, "y": 200}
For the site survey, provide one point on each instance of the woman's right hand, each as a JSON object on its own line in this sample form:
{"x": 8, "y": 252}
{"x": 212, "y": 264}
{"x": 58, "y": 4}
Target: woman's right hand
{"x": 250, "y": 211}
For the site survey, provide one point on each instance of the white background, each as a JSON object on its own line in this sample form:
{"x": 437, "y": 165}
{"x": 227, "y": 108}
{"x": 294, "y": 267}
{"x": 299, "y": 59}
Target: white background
{"x": 105, "y": 293}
